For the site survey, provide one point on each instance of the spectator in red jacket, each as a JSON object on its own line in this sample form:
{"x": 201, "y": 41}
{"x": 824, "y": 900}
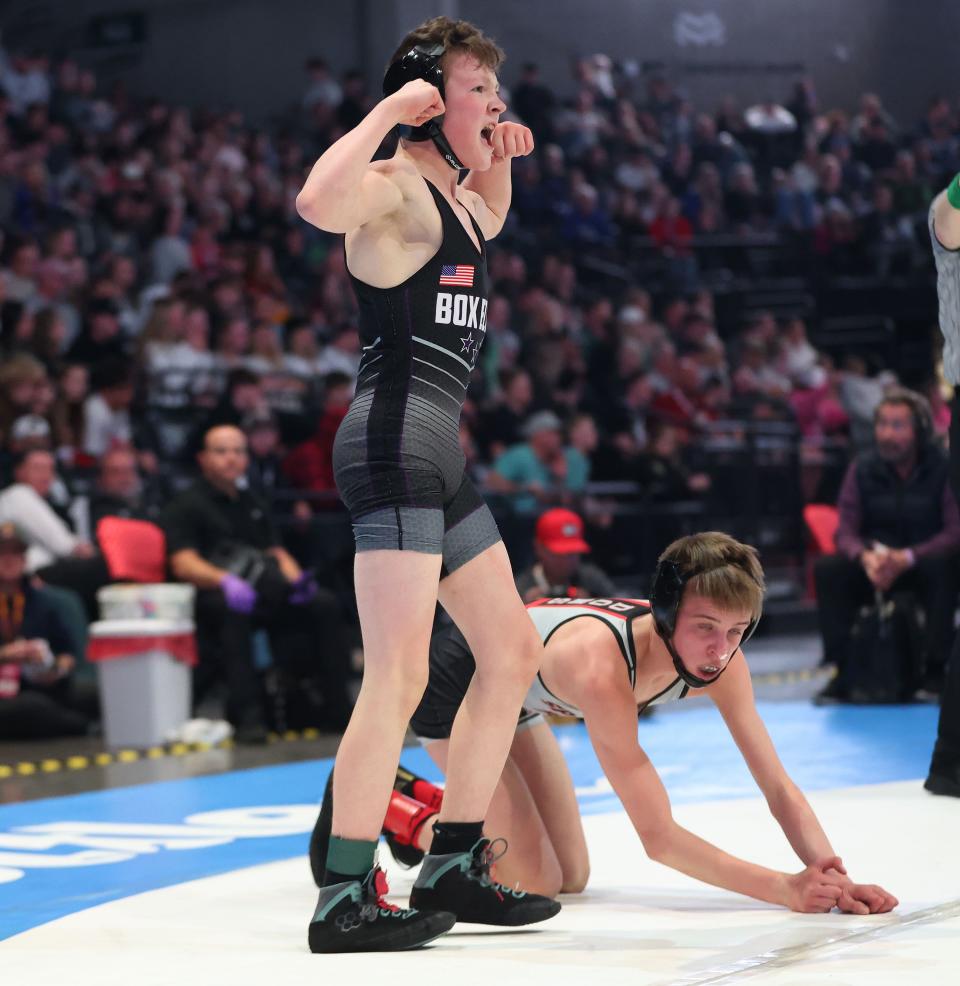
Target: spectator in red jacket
{"x": 309, "y": 466}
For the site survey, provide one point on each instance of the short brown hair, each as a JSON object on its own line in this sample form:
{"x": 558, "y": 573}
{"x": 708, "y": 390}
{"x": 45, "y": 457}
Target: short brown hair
{"x": 460, "y": 37}
{"x": 731, "y": 574}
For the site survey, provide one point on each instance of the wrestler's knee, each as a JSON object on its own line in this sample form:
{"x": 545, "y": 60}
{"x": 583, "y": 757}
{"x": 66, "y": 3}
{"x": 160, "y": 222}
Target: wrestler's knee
{"x": 523, "y": 651}
{"x": 575, "y": 877}
{"x": 399, "y": 684}
{"x": 549, "y": 880}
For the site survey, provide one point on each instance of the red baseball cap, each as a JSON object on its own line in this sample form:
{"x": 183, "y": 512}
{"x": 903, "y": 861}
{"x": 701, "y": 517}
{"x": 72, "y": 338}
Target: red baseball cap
{"x": 561, "y": 531}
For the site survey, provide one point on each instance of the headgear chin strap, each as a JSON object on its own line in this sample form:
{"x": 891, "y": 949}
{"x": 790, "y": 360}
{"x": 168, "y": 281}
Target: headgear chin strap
{"x": 422, "y": 62}
{"x": 665, "y": 597}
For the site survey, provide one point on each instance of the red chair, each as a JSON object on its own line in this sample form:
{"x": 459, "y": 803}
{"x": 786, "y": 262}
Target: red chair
{"x": 134, "y": 550}
{"x": 822, "y": 521}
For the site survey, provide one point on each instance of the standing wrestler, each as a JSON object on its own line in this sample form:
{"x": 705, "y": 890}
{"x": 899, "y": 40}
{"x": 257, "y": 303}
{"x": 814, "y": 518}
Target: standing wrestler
{"x": 603, "y": 660}
{"x": 416, "y": 252}
{"x": 944, "y": 775}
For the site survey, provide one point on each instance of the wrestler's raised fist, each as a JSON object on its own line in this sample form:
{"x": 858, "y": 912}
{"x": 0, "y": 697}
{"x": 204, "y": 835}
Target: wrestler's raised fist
{"x": 511, "y": 140}
{"x": 416, "y": 102}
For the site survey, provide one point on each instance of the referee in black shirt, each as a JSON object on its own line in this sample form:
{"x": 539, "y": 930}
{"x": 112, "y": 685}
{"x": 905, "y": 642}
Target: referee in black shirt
{"x": 944, "y": 225}
{"x": 221, "y": 539}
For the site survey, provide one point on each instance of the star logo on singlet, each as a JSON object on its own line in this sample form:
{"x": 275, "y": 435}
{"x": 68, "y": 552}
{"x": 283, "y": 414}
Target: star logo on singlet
{"x": 471, "y": 347}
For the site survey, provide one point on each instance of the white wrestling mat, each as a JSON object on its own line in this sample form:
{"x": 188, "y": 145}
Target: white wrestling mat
{"x": 638, "y": 922}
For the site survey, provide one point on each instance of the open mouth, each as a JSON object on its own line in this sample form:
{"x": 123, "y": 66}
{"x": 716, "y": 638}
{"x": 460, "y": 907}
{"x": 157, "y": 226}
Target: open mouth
{"x": 486, "y": 135}
{"x": 709, "y": 670}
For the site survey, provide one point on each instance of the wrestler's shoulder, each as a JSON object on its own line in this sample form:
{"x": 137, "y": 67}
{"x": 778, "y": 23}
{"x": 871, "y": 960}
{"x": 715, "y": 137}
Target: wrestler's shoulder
{"x": 473, "y": 202}
{"x": 401, "y": 172}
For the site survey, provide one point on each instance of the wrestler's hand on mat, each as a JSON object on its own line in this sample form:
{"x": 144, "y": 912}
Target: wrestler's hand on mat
{"x": 817, "y": 888}
{"x": 416, "y": 102}
{"x": 511, "y": 140}
{"x": 861, "y": 898}
{"x": 865, "y": 898}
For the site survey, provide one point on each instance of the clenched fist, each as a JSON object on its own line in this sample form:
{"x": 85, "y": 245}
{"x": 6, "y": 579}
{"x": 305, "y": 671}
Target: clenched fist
{"x": 817, "y": 888}
{"x": 511, "y": 140}
{"x": 416, "y": 102}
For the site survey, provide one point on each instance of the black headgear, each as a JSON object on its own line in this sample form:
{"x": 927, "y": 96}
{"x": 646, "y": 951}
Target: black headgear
{"x": 665, "y": 596}
{"x": 422, "y": 62}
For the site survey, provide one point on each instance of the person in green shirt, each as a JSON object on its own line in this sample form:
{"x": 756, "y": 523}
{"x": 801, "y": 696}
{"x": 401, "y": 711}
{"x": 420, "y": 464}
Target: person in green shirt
{"x": 541, "y": 469}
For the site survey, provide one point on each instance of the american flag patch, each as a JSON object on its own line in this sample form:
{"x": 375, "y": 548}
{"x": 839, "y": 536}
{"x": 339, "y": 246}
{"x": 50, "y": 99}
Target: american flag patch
{"x": 457, "y": 275}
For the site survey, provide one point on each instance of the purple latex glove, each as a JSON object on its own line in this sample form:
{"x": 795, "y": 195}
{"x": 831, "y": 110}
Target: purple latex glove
{"x": 302, "y": 590}
{"x": 240, "y": 595}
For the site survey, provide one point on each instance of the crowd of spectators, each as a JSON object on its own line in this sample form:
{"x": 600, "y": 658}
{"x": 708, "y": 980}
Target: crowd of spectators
{"x": 156, "y": 281}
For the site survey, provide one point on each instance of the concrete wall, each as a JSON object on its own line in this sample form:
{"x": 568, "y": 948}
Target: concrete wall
{"x": 218, "y": 53}
{"x": 250, "y": 53}
{"x": 748, "y": 47}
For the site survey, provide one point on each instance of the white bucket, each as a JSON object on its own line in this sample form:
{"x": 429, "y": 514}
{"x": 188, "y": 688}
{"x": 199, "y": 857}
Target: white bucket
{"x": 144, "y": 694}
{"x": 160, "y": 601}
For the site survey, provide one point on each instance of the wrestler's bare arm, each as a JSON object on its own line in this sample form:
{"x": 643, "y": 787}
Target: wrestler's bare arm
{"x": 487, "y": 193}
{"x": 733, "y": 696}
{"x": 611, "y": 717}
{"x": 343, "y": 190}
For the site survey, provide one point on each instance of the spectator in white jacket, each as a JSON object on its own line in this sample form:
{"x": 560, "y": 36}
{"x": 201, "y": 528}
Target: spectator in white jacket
{"x": 55, "y": 553}
{"x": 25, "y": 503}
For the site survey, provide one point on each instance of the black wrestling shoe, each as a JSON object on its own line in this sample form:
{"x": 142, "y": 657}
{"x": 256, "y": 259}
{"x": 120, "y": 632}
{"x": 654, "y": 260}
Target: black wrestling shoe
{"x": 939, "y": 784}
{"x": 320, "y": 836}
{"x": 944, "y": 777}
{"x": 354, "y": 917}
{"x": 461, "y": 883}
{"x": 406, "y": 856}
